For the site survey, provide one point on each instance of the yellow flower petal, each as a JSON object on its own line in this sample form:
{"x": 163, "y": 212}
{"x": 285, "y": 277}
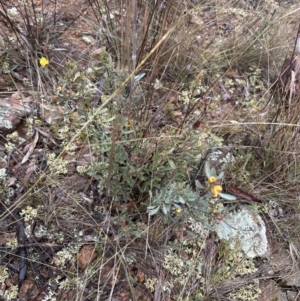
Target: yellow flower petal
{"x": 212, "y": 179}
{"x": 44, "y": 61}
{"x": 178, "y": 210}
{"x": 215, "y": 190}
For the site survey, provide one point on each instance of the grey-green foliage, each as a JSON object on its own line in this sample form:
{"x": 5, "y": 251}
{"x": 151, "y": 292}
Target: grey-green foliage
{"x": 172, "y": 198}
{"x": 180, "y": 198}
{"x": 131, "y": 163}
{"x": 139, "y": 165}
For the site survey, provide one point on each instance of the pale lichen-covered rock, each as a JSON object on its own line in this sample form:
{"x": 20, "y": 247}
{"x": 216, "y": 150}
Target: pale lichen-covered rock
{"x": 12, "y": 110}
{"x": 244, "y": 230}
{"x": 50, "y": 113}
{"x": 220, "y": 158}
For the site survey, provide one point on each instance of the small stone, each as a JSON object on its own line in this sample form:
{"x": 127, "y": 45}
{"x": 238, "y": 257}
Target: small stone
{"x": 50, "y": 113}
{"x": 89, "y": 40}
{"x": 85, "y": 256}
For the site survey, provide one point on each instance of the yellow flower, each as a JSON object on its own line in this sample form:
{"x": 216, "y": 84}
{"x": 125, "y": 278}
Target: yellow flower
{"x": 44, "y": 61}
{"x": 59, "y": 88}
{"x": 178, "y": 210}
{"x": 212, "y": 179}
{"x": 215, "y": 190}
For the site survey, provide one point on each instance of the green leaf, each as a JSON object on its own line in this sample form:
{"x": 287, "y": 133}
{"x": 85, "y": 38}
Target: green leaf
{"x": 227, "y": 197}
{"x": 193, "y": 198}
{"x": 172, "y": 164}
{"x": 198, "y": 184}
{"x": 153, "y": 211}
{"x": 138, "y": 77}
{"x": 213, "y": 172}
{"x": 151, "y": 207}
{"x": 181, "y": 200}
{"x": 165, "y": 209}
{"x": 136, "y": 233}
{"x": 156, "y": 158}
{"x": 207, "y": 169}
{"x": 132, "y": 168}
{"x": 167, "y": 200}
{"x": 203, "y": 206}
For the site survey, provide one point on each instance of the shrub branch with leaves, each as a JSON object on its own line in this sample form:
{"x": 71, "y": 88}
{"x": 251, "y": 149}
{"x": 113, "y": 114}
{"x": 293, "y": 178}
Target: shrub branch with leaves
{"x": 200, "y": 203}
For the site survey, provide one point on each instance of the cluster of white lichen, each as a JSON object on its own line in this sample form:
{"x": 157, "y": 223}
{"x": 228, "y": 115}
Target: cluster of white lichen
{"x": 13, "y": 140}
{"x": 151, "y": 283}
{"x": 12, "y": 12}
{"x": 83, "y": 169}
{"x": 255, "y": 78}
{"x": 3, "y": 274}
{"x": 56, "y": 165}
{"x": 249, "y": 292}
{"x": 14, "y": 136}
{"x": 51, "y": 232}
{"x": 208, "y": 140}
{"x": 2, "y": 173}
{"x": 29, "y": 213}
{"x": 11, "y": 293}
{"x": 198, "y": 228}
{"x": 214, "y": 140}
{"x": 29, "y": 126}
{"x": 66, "y": 255}
{"x": 235, "y": 265}
{"x": 50, "y": 295}
{"x": 185, "y": 96}
{"x": 182, "y": 268}
{"x": 173, "y": 263}
{"x": 40, "y": 230}
{"x": 70, "y": 283}
{"x": 185, "y": 267}
{"x": 12, "y": 243}
{"x": 9, "y": 193}
{"x": 192, "y": 245}
{"x": 186, "y": 264}
{"x": 63, "y": 132}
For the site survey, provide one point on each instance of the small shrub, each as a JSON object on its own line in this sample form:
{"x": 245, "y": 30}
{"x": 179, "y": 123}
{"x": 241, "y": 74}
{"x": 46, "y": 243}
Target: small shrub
{"x": 181, "y": 199}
